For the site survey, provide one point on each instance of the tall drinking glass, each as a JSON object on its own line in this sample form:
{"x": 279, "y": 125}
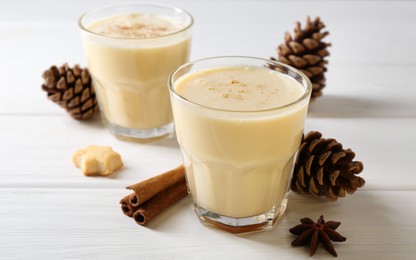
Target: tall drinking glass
{"x": 239, "y": 123}
{"x": 131, "y": 50}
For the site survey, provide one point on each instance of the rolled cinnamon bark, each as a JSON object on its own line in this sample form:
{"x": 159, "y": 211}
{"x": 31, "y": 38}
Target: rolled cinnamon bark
{"x": 134, "y": 200}
{"x": 149, "y": 188}
{"x": 127, "y": 206}
{"x": 151, "y": 208}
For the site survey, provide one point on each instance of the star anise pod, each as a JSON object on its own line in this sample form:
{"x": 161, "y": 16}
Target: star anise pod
{"x": 314, "y": 233}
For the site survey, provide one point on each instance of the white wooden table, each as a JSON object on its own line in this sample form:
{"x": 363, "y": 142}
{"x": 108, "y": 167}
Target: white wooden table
{"x": 49, "y": 210}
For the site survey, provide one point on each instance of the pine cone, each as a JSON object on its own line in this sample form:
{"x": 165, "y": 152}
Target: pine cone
{"x": 306, "y": 52}
{"x": 71, "y": 88}
{"x": 324, "y": 168}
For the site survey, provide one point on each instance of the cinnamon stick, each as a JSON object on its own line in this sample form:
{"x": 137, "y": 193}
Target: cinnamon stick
{"x": 160, "y": 202}
{"x": 152, "y": 196}
{"x": 148, "y": 188}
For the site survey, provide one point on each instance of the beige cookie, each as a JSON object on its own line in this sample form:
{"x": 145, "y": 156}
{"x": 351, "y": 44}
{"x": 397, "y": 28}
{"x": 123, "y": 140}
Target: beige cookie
{"x": 97, "y": 160}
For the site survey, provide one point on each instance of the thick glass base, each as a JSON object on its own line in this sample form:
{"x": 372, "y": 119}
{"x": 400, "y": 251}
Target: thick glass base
{"x": 141, "y": 135}
{"x": 260, "y": 222}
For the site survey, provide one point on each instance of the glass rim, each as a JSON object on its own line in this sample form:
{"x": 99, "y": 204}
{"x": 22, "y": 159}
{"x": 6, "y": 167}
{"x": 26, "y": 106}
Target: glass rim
{"x": 306, "y": 94}
{"x": 94, "y": 10}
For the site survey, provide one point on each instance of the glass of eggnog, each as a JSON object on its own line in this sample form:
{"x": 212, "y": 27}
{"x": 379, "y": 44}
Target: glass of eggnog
{"x": 239, "y": 122}
{"x": 131, "y": 51}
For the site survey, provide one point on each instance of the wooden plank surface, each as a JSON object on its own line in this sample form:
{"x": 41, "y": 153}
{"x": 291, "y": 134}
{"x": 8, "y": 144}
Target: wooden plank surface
{"x": 87, "y": 223}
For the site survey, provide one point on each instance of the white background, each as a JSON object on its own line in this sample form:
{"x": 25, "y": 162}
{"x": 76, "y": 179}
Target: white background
{"x": 49, "y": 210}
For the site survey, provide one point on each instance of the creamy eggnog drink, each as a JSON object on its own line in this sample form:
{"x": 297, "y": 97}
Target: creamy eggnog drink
{"x": 131, "y": 52}
{"x": 239, "y": 125}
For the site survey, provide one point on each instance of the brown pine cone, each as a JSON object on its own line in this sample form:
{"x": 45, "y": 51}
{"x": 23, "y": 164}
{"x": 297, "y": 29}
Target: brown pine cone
{"x": 324, "y": 168}
{"x": 71, "y": 88}
{"x": 306, "y": 51}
